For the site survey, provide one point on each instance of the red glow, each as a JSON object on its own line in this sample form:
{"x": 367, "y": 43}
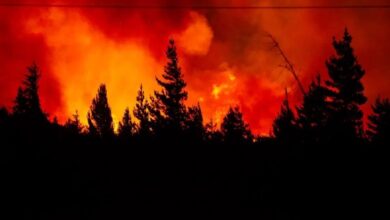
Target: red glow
{"x": 225, "y": 57}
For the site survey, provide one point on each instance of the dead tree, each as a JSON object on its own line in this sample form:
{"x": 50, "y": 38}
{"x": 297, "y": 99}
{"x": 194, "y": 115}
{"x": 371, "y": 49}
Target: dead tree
{"x": 289, "y": 66}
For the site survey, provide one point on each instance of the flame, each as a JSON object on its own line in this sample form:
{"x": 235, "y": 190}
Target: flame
{"x": 224, "y": 56}
{"x": 83, "y": 58}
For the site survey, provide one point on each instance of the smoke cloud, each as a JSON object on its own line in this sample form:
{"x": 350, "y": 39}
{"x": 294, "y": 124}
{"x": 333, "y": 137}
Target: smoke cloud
{"x": 225, "y": 55}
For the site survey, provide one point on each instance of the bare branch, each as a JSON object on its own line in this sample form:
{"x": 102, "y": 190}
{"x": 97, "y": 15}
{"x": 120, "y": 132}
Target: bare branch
{"x": 289, "y": 66}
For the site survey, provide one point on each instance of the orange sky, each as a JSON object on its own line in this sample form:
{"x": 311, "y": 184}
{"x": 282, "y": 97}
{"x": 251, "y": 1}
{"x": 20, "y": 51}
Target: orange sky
{"x": 225, "y": 56}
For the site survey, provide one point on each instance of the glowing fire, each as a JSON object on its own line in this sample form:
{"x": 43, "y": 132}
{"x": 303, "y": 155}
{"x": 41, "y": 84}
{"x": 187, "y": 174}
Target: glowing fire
{"x": 82, "y": 58}
{"x": 223, "y": 54}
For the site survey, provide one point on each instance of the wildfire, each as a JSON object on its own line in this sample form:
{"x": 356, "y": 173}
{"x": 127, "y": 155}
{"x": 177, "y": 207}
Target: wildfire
{"x": 224, "y": 56}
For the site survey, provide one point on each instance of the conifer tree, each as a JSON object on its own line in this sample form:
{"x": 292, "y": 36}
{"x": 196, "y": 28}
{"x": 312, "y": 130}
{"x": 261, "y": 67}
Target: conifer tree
{"x": 345, "y": 75}
{"x": 379, "y": 126}
{"x": 195, "y": 127}
{"x": 284, "y": 126}
{"x": 141, "y": 112}
{"x": 126, "y": 126}
{"x": 73, "y": 125}
{"x": 20, "y": 108}
{"x": 212, "y": 134}
{"x": 27, "y": 103}
{"x": 234, "y": 129}
{"x": 99, "y": 116}
{"x": 158, "y": 123}
{"x": 172, "y": 95}
{"x": 313, "y": 114}
{"x": 92, "y": 130}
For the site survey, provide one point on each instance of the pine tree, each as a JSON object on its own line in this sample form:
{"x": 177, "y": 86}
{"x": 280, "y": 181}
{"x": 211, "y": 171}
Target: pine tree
{"x": 27, "y": 103}
{"x": 212, "y": 134}
{"x": 313, "y": 114}
{"x": 234, "y": 129}
{"x": 195, "y": 127}
{"x": 141, "y": 112}
{"x": 284, "y": 126}
{"x": 100, "y": 114}
{"x": 20, "y": 108}
{"x": 92, "y": 130}
{"x": 158, "y": 123}
{"x": 379, "y": 126}
{"x": 172, "y": 95}
{"x": 126, "y": 126}
{"x": 74, "y": 125}
{"x": 347, "y": 91}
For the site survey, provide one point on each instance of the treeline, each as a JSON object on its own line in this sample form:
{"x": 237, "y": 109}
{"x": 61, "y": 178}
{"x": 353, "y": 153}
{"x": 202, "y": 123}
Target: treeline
{"x": 330, "y": 112}
{"x": 318, "y": 163}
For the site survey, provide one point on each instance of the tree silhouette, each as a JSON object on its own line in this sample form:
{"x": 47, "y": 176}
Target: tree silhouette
{"x": 20, "y": 108}
{"x": 158, "y": 123}
{"x": 73, "y": 125}
{"x": 313, "y": 114}
{"x": 284, "y": 126}
{"x": 194, "y": 123}
{"x": 234, "y": 129}
{"x": 172, "y": 95}
{"x": 212, "y": 134}
{"x": 98, "y": 177}
{"x": 345, "y": 81}
{"x": 99, "y": 117}
{"x": 379, "y": 126}
{"x": 4, "y": 117}
{"x": 126, "y": 126}
{"x": 141, "y": 112}
{"x": 27, "y": 103}
{"x": 92, "y": 130}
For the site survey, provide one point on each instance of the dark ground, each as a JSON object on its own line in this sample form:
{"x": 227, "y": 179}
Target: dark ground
{"x": 68, "y": 181}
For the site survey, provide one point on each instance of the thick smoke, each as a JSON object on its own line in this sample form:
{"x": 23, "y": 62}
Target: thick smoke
{"x": 225, "y": 54}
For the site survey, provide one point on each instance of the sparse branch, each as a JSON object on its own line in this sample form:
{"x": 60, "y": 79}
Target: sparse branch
{"x": 289, "y": 66}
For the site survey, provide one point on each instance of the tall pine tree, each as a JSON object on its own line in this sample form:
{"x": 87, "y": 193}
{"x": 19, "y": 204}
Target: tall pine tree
{"x": 172, "y": 95}
{"x": 345, "y": 75}
{"x": 27, "y": 103}
{"x": 99, "y": 116}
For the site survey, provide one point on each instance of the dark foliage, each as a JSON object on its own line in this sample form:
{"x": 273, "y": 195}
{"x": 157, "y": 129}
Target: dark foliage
{"x": 99, "y": 118}
{"x": 347, "y": 92}
{"x": 166, "y": 163}
{"x": 27, "y": 104}
{"x": 74, "y": 125}
{"x": 173, "y": 95}
{"x": 313, "y": 114}
{"x": 194, "y": 124}
{"x": 234, "y": 130}
{"x": 379, "y": 126}
{"x": 141, "y": 112}
{"x": 284, "y": 126}
{"x": 126, "y": 127}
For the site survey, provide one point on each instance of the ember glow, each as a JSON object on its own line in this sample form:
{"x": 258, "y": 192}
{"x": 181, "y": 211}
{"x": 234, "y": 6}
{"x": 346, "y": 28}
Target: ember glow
{"x": 225, "y": 56}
